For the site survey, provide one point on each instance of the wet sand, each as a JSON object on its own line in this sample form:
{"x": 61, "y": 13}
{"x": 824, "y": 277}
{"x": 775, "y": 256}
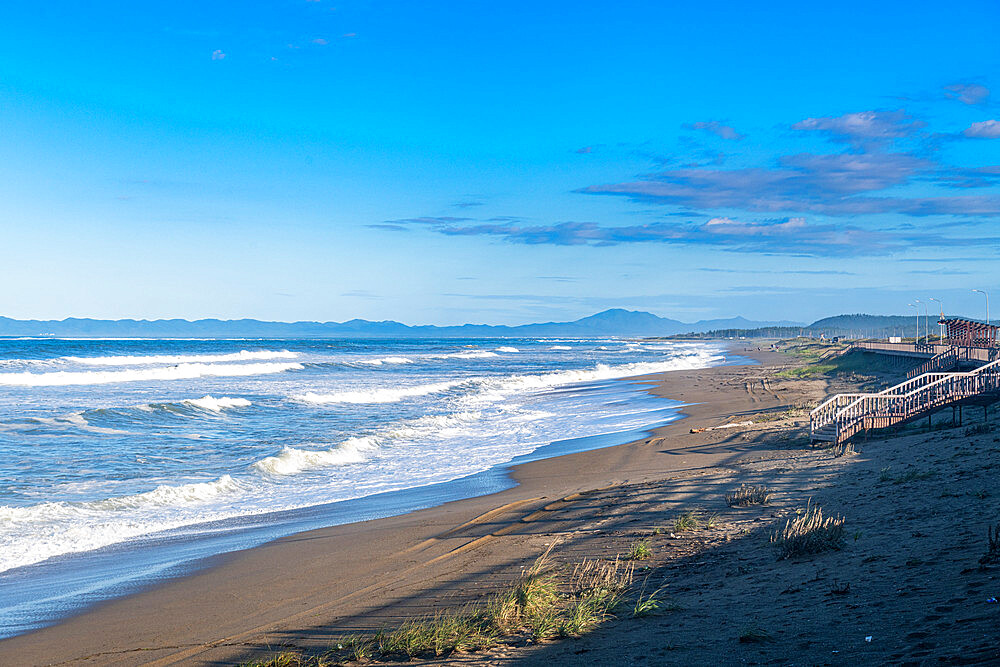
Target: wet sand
{"x": 307, "y": 588}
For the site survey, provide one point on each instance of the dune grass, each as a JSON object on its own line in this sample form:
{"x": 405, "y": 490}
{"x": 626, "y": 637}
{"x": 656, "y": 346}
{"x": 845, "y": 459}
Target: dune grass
{"x": 546, "y": 602}
{"x": 809, "y": 532}
{"x": 748, "y": 495}
{"x": 689, "y": 520}
{"x": 640, "y": 550}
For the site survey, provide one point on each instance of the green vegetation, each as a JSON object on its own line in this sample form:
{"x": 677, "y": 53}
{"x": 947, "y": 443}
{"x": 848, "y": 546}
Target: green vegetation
{"x": 808, "y": 533}
{"x": 544, "y": 602}
{"x": 640, "y": 550}
{"x": 822, "y": 358}
{"x": 647, "y": 604}
{"x": 912, "y": 475}
{"x": 687, "y": 521}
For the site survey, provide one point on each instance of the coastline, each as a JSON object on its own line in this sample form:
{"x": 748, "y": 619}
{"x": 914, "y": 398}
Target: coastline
{"x": 351, "y": 570}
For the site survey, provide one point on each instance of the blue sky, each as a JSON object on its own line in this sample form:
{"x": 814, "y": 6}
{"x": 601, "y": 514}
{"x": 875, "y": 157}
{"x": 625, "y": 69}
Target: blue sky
{"x": 497, "y": 162}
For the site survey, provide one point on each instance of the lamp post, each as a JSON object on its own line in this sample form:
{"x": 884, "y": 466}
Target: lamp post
{"x": 984, "y": 293}
{"x": 924, "y": 304}
{"x": 940, "y": 326}
{"x": 917, "y": 337}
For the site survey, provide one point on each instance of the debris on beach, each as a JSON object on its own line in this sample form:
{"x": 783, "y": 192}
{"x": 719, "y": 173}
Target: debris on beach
{"x": 724, "y": 426}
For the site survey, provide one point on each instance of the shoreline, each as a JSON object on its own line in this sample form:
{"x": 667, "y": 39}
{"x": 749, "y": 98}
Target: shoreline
{"x": 289, "y": 572}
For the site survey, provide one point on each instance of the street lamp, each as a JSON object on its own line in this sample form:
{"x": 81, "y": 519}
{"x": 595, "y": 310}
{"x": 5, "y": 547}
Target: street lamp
{"x": 917, "y": 338}
{"x": 940, "y": 325}
{"x": 984, "y": 293}
{"x": 924, "y": 304}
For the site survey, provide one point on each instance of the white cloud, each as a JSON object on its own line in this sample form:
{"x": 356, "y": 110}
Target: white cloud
{"x": 987, "y": 129}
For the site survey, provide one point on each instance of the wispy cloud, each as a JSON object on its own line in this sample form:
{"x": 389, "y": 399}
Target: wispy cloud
{"x": 218, "y": 54}
{"x": 717, "y": 128}
{"x": 987, "y": 129}
{"x": 863, "y": 128}
{"x": 968, "y": 93}
{"x": 836, "y": 185}
{"x": 806, "y": 272}
{"x": 786, "y": 236}
{"x": 973, "y": 177}
{"x": 585, "y": 150}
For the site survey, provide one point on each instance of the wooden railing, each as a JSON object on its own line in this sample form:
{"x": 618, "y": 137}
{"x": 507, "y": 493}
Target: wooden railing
{"x": 971, "y": 354}
{"x": 942, "y": 361}
{"x": 847, "y": 414}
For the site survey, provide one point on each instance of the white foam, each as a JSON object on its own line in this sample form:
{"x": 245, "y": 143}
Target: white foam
{"x": 213, "y": 404}
{"x": 71, "y": 527}
{"x": 292, "y": 460}
{"x": 150, "y": 360}
{"x": 469, "y": 354}
{"x": 560, "y": 347}
{"x": 508, "y": 349}
{"x": 178, "y": 372}
{"x": 386, "y": 360}
{"x": 383, "y": 395}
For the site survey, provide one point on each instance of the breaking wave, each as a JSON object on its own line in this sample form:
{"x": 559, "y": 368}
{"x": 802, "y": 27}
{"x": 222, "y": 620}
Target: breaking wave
{"x": 150, "y": 360}
{"x": 292, "y": 460}
{"x": 178, "y": 372}
{"x": 384, "y": 395}
{"x": 70, "y": 527}
{"x": 213, "y": 404}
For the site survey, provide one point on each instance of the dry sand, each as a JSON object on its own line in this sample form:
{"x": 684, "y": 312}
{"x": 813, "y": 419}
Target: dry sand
{"x": 910, "y": 580}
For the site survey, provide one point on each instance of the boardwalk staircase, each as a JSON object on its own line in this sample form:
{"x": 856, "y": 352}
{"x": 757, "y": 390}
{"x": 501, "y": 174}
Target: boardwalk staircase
{"x": 941, "y": 362}
{"x": 846, "y": 415}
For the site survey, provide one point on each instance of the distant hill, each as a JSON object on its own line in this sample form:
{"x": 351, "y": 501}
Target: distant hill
{"x": 613, "y": 322}
{"x": 859, "y": 325}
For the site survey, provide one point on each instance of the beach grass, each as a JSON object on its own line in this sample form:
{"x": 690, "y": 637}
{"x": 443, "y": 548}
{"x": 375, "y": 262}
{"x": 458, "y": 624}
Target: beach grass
{"x": 545, "y": 602}
{"x": 640, "y": 550}
{"x": 689, "y": 520}
{"x": 809, "y": 532}
{"x": 748, "y": 495}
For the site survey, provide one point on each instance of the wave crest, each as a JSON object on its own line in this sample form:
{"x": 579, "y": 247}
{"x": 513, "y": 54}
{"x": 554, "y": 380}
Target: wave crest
{"x": 291, "y": 460}
{"x": 384, "y": 395}
{"x": 178, "y": 372}
{"x": 213, "y": 404}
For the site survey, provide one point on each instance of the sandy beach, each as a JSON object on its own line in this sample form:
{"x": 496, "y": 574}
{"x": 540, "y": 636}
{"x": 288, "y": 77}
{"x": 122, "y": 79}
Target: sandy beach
{"x": 907, "y": 586}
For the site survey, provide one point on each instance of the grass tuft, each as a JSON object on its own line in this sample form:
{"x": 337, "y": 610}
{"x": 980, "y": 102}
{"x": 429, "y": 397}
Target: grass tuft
{"x": 646, "y": 604}
{"x": 808, "y": 533}
{"x": 543, "y": 601}
{"x": 748, "y": 495}
{"x": 640, "y": 550}
{"x": 687, "y": 521}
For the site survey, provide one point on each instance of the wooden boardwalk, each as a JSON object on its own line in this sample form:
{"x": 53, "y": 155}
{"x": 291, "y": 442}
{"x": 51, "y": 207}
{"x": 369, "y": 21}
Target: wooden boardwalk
{"x": 846, "y": 415}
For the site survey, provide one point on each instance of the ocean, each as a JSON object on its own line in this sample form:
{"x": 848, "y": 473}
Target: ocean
{"x": 123, "y": 462}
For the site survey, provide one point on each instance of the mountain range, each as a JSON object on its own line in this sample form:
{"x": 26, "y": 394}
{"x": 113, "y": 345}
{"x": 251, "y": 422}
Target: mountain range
{"x": 613, "y": 322}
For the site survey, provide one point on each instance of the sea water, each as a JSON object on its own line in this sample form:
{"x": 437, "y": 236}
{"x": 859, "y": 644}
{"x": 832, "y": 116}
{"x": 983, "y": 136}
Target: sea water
{"x": 124, "y": 461}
